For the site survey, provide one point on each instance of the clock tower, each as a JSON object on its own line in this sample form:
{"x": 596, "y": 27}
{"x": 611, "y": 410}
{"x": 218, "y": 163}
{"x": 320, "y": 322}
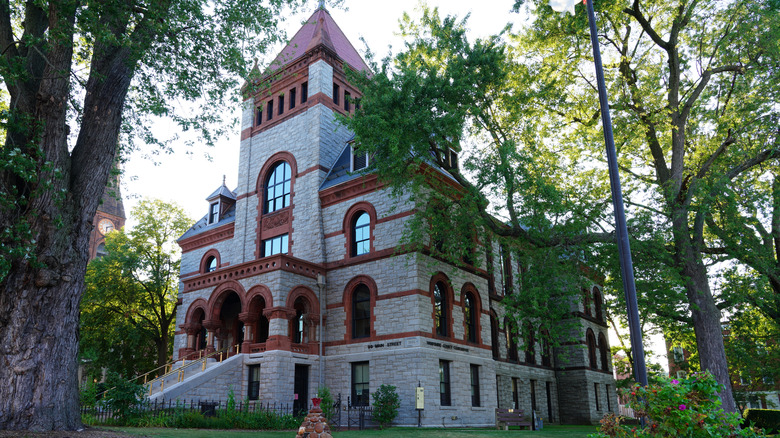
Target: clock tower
{"x": 110, "y": 216}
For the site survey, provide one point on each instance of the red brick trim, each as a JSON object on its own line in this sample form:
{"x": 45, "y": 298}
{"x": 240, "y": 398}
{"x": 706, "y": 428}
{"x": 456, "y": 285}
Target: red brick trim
{"x": 313, "y": 168}
{"x": 246, "y": 195}
{"x": 449, "y": 298}
{"x": 346, "y": 301}
{"x": 468, "y": 287}
{"x": 220, "y": 293}
{"x": 199, "y": 304}
{"x": 212, "y": 252}
{"x": 348, "y": 224}
{"x": 400, "y": 336}
{"x": 252, "y": 268}
{"x": 279, "y": 221}
{"x": 396, "y": 216}
{"x": 253, "y": 296}
{"x": 349, "y": 190}
{"x": 210, "y": 237}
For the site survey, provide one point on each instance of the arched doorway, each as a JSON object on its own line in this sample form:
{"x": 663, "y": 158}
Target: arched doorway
{"x": 231, "y": 330}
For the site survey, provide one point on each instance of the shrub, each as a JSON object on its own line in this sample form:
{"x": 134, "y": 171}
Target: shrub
{"x": 323, "y": 392}
{"x": 123, "y": 397}
{"x": 386, "y": 404}
{"x": 687, "y": 408}
{"x": 767, "y": 419}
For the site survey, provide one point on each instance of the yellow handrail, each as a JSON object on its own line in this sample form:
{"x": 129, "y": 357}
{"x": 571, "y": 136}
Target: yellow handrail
{"x": 180, "y": 369}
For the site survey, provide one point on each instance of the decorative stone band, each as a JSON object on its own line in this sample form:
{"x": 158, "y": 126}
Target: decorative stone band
{"x": 250, "y": 269}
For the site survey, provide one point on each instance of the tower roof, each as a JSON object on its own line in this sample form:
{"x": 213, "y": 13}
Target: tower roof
{"x": 319, "y": 29}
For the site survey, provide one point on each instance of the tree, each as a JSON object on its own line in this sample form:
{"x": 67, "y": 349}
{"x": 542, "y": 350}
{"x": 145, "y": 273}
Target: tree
{"x": 386, "y": 404}
{"x": 78, "y": 74}
{"x": 702, "y": 118}
{"x": 129, "y": 304}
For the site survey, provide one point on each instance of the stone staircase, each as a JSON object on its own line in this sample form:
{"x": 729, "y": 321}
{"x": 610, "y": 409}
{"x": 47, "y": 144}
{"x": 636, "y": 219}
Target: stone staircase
{"x": 193, "y": 382}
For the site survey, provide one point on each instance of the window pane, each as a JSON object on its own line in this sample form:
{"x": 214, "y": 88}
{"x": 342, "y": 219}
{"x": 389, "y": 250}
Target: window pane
{"x": 284, "y": 244}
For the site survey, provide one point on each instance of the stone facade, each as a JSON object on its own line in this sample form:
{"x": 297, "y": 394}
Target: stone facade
{"x": 376, "y": 304}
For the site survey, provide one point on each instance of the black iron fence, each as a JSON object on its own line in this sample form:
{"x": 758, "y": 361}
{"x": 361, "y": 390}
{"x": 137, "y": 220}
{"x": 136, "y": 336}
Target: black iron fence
{"x": 102, "y": 413}
{"x": 349, "y": 417}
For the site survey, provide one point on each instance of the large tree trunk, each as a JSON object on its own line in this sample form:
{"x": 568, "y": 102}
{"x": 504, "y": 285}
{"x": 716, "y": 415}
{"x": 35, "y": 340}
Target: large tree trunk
{"x": 704, "y": 312}
{"x": 39, "y": 301}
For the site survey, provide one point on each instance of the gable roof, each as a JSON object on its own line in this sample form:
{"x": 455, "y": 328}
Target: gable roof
{"x": 319, "y": 29}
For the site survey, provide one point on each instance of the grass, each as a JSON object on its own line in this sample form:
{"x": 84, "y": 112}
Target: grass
{"x": 548, "y": 432}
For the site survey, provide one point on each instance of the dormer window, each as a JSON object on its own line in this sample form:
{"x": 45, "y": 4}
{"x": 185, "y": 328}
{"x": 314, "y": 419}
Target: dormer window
{"x": 359, "y": 160}
{"x": 214, "y": 213}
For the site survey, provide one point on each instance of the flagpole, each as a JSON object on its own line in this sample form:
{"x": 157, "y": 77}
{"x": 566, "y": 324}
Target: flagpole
{"x": 624, "y": 249}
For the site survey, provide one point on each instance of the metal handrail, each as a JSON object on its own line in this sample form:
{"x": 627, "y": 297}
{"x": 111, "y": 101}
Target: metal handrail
{"x": 180, "y": 370}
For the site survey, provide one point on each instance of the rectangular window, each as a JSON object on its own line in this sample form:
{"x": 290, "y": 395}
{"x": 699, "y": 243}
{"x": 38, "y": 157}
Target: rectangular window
{"x": 214, "y": 213}
{"x": 596, "y": 394}
{"x": 269, "y": 111}
{"x": 292, "y": 98}
{"x": 281, "y": 105}
{"x": 336, "y": 92}
{"x": 253, "y": 392}
{"x": 444, "y": 383}
{"x": 506, "y": 259}
{"x": 347, "y": 98}
{"x": 475, "y": 385}
{"x": 259, "y": 116}
{"x": 304, "y": 92}
{"x": 606, "y": 394}
{"x": 275, "y": 245}
{"x": 359, "y": 160}
{"x": 360, "y": 384}
{"x": 515, "y": 393}
{"x": 533, "y": 395}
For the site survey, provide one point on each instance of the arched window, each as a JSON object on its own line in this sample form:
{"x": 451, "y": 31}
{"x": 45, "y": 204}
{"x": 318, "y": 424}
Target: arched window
{"x": 440, "y": 311}
{"x": 361, "y": 312}
{"x": 597, "y": 302}
{"x": 361, "y": 234}
{"x": 470, "y": 317}
{"x": 586, "y": 301}
{"x": 494, "y": 336}
{"x": 211, "y": 264}
{"x": 511, "y": 340}
{"x": 101, "y": 250}
{"x": 299, "y": 327}
{"x": 530, "y": 345}
{"x": 603, "y": 349}
{"x": 277, "y": 191}
{"x": 546, "y": 351}
{"x": 590, "y": 340}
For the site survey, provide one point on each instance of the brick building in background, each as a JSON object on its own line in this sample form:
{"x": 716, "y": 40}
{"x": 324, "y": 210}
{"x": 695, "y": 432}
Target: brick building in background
{"x": 304, "y": 251}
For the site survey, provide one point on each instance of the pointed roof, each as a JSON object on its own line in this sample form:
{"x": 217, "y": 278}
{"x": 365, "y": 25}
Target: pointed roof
{"x": 319, "y": 29}
{"x": 222, "y": 191}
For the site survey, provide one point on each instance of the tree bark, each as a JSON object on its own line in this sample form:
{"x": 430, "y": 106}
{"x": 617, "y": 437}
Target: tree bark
{"x": 704, "y": 312}
{"x": 39, "y": 301}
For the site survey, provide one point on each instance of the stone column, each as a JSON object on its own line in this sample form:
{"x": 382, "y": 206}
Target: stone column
{"x": 211, "y": 326}
{"x": 249, "y": 320}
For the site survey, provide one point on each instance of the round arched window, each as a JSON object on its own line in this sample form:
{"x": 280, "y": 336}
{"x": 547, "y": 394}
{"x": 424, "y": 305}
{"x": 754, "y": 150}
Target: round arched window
{"x": 277, "y": 192}
{"x": 211, "y": 264}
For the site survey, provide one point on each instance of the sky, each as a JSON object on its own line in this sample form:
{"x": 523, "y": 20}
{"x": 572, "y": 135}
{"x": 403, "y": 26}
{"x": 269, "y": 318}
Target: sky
{"x": 187, "y": 176}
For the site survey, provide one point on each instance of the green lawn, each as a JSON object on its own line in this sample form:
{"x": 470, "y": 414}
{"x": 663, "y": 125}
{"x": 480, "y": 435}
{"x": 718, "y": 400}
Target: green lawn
{"x": 548, "y": 432}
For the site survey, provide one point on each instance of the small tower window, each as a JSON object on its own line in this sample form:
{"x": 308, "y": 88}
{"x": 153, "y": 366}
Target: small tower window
{"x": 259, "y": 116}
{"x": 214, "y": 213}
{"x": 336, "y": 91}
{"x": 359, "y": 160}
{"x": 347, "y": 98}
{"x": 292, "y": 98}
{"x": 270, "y": 110}
{"x": 281, "y": 105}
{"x": 304, "y": 92}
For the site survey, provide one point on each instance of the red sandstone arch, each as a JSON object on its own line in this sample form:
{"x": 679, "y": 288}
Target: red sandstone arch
{"x": 346, "y": 300}
{"x": 449, "y": 298}
{"x": 254, "y": 294}
{"x": 212, "y": 252}
{"x": 273, "y": 160}
{"x": 219, "y": 295}
{"x": 468, "y": 287}
{"x": 349, "y": 219}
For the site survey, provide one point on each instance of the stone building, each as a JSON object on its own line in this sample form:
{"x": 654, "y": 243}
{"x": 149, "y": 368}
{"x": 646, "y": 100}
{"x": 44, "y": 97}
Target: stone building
{"x": 296, "y": 273}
